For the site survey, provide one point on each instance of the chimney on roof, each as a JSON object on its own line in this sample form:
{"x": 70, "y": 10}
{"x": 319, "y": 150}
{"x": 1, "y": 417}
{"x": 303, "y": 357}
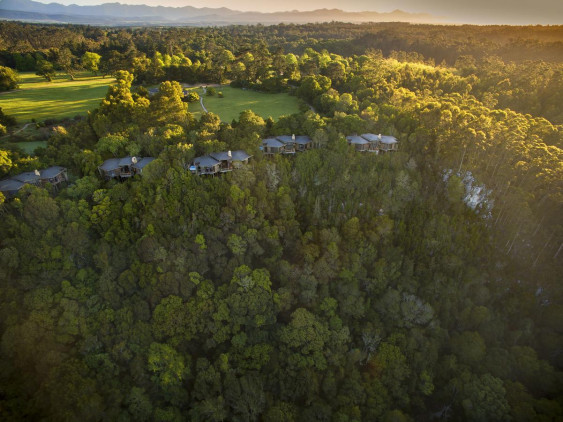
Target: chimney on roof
{"x": 293, "y": 137}
{"x": 37, "y": 172}
{"x": 229, "y": 154}
{"x": 379, "y": 136}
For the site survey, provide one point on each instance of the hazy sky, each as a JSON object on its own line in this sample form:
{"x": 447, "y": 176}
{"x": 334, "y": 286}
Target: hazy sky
{"x": 486, "y": 11}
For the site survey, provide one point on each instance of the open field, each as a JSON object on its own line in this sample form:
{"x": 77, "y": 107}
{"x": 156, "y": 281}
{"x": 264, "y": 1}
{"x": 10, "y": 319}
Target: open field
{"x": 236, "y": 100}
{"x": 29, "y": 147}
{"x": 38, "y": 99}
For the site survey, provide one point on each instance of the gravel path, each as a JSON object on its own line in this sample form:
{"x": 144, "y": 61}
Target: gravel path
{"x": 201, "y": 99}
{"x": 202, "y": 106}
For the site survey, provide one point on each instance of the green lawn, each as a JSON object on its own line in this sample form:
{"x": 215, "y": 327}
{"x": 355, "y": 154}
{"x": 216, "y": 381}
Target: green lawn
{"x": 29, "y": 147}
{"x": 236, "y": 100}
{"x": 38, "y": 99}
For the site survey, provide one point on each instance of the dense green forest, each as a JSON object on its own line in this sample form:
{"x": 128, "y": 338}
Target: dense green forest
{"x": 418, "y": 285}
{"x": 507, "y": 67}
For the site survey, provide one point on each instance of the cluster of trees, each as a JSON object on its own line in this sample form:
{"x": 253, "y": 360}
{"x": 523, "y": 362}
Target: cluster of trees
{"x": 332, "y": 285}
{"x": 46, "y": 64}
{"x": 8, "y": 78}
{"x": 63, "y": 60}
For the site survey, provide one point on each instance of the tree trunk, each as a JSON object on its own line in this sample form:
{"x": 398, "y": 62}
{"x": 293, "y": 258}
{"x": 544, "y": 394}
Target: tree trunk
{"x": 461, "y": 163}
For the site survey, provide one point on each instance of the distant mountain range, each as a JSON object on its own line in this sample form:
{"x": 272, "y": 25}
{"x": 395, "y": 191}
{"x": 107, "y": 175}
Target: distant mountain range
{"x": 116, "y": 14}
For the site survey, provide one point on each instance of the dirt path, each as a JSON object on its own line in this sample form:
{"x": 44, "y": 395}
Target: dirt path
{"x": 24, "y": 127}
{"x": 202, "y": 106}
{"x": 201, "y": 99}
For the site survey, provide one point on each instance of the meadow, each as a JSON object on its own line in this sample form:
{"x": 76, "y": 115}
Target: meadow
{"x": 62, "y": 98}
{"x": 27, "y": 147}
{"x": 236, "y": 100}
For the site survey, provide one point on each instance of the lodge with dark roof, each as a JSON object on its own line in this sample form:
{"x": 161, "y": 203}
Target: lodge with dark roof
{"x": 285, "y": 144}
{"x": 54, "y": 176}
{"x": 219, "y": 162}
{"x": 123, "y": 168}
{"x": 368, "y": 142}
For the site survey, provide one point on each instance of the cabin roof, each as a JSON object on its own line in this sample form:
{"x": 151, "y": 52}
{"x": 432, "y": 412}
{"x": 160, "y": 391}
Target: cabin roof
{"x": 370, "y": 137}
{"x": 206, "y": 161}
{"x": 240, "y": 155}
{"x": 142, "y": 162}
{"x": 51, "y": 172}
{"x": 125, "y": 161}
{"x": 10, "y": 185}
{"x": 111, "y": 164}
{"x": 285, "y": 138}
{"x": 27, "y": 177}
{"x": 221, "y": 156}
{"x": 387, "y": 139}
{"x": 302, "y": 139}
{"x": 353, "y": 139}
{"x": 273, "y": 142}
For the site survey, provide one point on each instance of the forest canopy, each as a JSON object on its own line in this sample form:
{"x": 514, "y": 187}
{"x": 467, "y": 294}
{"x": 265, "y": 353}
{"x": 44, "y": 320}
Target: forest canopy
{"x": 332, "y": 285}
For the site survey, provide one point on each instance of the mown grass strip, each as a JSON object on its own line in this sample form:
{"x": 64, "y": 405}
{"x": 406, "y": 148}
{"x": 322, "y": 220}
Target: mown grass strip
{"x": 38, "y": 99}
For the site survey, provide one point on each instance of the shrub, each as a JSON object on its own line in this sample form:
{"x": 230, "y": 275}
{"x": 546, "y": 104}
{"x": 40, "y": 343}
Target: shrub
{"x": 192, "y": 97}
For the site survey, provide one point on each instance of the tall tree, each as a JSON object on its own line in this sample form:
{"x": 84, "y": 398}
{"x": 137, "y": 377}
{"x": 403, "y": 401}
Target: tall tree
{"x": 90, "y": 61}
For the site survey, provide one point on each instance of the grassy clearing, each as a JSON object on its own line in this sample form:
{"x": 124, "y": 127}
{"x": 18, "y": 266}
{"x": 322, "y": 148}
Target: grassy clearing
{"x": 236, "y": 100}
{"x": 29, "y": 147}
{"x": 38, "y": 99}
